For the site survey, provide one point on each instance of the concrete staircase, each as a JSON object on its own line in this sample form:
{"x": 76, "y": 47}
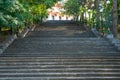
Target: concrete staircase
{"x": 55, "y": 52}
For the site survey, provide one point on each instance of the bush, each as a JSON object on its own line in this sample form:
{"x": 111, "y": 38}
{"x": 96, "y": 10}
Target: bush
{"x": 119, "y": 28}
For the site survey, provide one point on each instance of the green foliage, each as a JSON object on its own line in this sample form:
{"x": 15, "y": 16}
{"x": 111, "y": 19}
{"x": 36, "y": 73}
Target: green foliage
{"x": 37, "y": 9}
{"x": 72, "y": 7}
{"x": 119, "y": 11}
{"x": 49, "y": 3}
{"x": 39, "y": 12}
{"x": 23, "y": 13}
{"x": 14, "y": 14}
{"x": 10, "y": 13}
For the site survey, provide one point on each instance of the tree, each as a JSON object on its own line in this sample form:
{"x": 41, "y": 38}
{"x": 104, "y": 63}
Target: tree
{"x": 72, "y": 7}
{"x": 10, "y": 14}
{"x": 38, "y": 8}
{"x": 39, "y": 12}
{"x": 115, "y": 18}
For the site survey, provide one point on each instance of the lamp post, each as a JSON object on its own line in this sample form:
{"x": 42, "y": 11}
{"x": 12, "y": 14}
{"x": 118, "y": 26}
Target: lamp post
{"x": 101, "y": 8}
{"x": 101, "y": 20}
{"x": 108, "y": 20}
{"x": 93, "y": 15}
{"x": 93, "y": 7}
{"x": 89, "y": 17}
{"x": 82, "y": 3}
{"x": 109, "y": 35}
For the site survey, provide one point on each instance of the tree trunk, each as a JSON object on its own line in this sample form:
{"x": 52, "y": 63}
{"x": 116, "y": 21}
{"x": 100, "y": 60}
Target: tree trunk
{"x": 115, "y": 18}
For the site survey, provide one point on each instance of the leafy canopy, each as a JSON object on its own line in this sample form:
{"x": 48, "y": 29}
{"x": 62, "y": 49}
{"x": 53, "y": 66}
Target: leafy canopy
{"x": 72, "y": 7}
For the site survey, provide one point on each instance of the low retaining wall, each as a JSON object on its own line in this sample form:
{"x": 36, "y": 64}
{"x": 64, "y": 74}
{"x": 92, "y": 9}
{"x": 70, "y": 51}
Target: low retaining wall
{"x": 6, "y": 43}
{"x": 115, "y": 42}
{"x": 10, "y": 39}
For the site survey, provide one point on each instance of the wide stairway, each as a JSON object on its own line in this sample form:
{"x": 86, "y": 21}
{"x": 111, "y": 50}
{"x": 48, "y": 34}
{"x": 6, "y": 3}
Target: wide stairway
{"x": 60, "y": 50}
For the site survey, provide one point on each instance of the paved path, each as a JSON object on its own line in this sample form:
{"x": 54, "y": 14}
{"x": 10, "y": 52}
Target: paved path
{"x": 60, "y": 50}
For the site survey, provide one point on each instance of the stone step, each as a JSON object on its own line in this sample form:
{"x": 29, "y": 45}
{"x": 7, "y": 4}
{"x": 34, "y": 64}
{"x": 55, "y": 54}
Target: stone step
{"x": 61, "y": 42}
{"x": 61, "y": 33}
{"x": 62, "y": 46}
{"x": 77, "y": 58}
{"x": 62, "y": 55}
{"x": 77, "y": 47}
{"x": 78, "y": 68}
{"x": 50, "y": 61}
{"x": 55, "y": 63}
{"x": 49, "y": 36}
{"x": 62, "y": 74}
{"x": 61, "y": 39}
{"x": 44, "y": 66}
{"x": 66, "y": 43}
{"x": 61, "y": 66}
{"x": 61, "y": 78}
{"x": 45, "y": 70}
{"x": 58, "y": 52}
